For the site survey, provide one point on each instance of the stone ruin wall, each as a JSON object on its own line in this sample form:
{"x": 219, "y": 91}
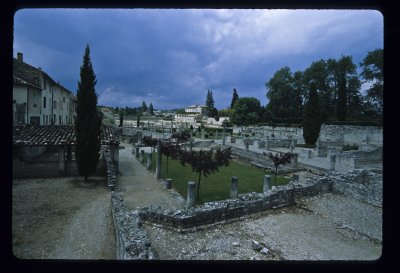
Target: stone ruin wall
{"x": 349, "y": 134}
{"x": 362, "y": 185}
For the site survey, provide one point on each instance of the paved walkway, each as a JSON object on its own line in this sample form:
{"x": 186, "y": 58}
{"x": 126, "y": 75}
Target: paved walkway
{"x": 139, "y": 187}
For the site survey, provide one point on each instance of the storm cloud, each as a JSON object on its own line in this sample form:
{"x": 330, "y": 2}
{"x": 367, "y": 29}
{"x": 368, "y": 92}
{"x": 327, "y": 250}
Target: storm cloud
{"x": 171, "y": 57}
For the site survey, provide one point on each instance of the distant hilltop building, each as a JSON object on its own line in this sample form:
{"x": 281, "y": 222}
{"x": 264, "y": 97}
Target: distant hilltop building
{"x": 196, "y": 109}
{"x": 38, "y": 99}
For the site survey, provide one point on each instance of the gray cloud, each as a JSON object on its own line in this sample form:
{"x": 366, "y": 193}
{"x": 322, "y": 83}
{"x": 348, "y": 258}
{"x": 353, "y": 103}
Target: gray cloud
{"x": 172, "y": 57}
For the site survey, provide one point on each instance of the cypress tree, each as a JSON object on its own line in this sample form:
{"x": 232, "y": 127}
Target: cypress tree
{"x": 88, "y": 120}
{"x": 311, "y": 117}
{"x": 235, "y": 97}
{"x": 341, "y": 107}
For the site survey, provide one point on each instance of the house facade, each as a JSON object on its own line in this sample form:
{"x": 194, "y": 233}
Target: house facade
{"x": 196, "y": 109}
{"x": 38, "y": 99}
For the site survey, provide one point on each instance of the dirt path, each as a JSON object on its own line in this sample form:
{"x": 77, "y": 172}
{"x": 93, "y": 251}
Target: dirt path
{"x": 139, "y": 187}
{"x": 61, "y": 218}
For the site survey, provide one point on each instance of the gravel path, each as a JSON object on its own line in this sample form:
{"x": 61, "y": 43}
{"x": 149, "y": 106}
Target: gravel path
{"x": 62, "y": 218}
{"x": 139, "y": 187}
{"x": 294, "y": 233}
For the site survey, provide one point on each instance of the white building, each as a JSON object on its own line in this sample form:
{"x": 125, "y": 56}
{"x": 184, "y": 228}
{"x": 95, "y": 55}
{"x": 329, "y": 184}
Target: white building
{"x": 196, "y": 109}
{"x": 38, "y": 99}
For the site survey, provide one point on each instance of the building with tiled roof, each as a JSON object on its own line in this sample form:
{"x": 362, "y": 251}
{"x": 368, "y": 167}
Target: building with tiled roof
{"x": 38, "y": 99}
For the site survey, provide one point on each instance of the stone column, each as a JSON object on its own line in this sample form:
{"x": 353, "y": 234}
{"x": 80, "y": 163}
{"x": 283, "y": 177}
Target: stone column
{"x": 141, "y": 156}
{"x": 267, "y": 179}
{"x": 332, "y": 162}
{"x": 168, "y": 183}
{"x": 190, "y": 194}
{"x": 267, "y": 142}
{"x": 295, "y": 159}
{"x": 246, "y": 144}
{"x": 149, "y": 159}
{"x": 223, "y": 137}
{"x": 136, "y": 151}
{"x": 162, "y": 129}
{"x": 172, "y": 127}
{"x": 234, "y": 182}
{"x": 158, "y": 165}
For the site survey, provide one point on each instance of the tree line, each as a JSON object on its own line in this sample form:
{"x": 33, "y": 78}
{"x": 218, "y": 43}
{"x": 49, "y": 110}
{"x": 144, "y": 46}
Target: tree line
{"x": 337, "y": 87}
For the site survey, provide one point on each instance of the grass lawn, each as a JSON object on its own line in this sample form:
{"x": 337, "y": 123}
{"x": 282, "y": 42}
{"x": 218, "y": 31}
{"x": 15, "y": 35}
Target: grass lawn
{"x": 217, "y": 185}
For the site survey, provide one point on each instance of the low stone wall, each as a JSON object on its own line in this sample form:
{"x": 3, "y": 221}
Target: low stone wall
{"x": 363, "y": 185}
{"x": 248, "y": 155}
{"x": 110, "y": 168}
{"x": 133, "y": 242}
{"x": 346, "y": 162}
{"x": 245, "y": 204}
{"x": 370, "y": 155}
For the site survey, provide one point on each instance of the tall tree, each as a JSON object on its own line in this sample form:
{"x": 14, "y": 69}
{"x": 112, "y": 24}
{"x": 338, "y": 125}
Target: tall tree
{"x": 235, "y": 97}
{"x": 144, "y": 107}
{"x": 341, "y": 109}
{"x": 88, "y": 120}
{"x": 372, "y": 72}
{"x": 312, "y": 116}
{"x": 282, "y": 102}
{"x": 211, "y": 110}
{"x": 151, "y": 109}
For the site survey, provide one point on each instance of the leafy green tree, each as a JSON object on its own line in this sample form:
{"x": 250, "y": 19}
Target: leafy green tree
{"x": 247, "y": 111}
{"x": 282, "y": 101}
{"x": 312, "y": 116}
{"x": 88, "y": 120}
{"x": 372, "y": 72}
{"x": 226, "y": 112}
{"x": 235, "y": 97}
{"x": 205, "y": 162}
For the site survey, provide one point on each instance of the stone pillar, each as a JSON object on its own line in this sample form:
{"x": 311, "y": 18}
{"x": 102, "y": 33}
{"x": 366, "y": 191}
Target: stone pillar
{"x": 141, "y": 157}
{"x": 295, "y": 159}
{"x": 267, "y": 142}
{"x": 158, "y": 164}
{"x": 168, "y": 183}
{"x": 202, "y": 133}
{"x": 191, "y": 196}
{"x": 149, "y": 159}
{"x": 267, "y": 179}
{"x": 136, "y": 151}
{"x": 223, "y": 137}
{"x": 162, "y": 129}
{"x": 172, "y": 127}
{"x": 332, "y": 162}
{"x": 234, "y": 182}
{"x": 216, "y": 135}
{"x": 291, "y": 145}
{"x": 246, "y": 144}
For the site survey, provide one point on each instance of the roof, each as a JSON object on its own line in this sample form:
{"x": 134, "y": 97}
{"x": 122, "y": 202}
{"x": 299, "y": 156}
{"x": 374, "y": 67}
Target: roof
{"x": 27, "y": 74}
{"x": 43, "y": 135}
{"x": 24, "y": 73}
{"x": 195, "y": 106}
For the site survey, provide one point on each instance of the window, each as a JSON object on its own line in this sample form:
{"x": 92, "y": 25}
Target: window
{"x": 35, "y": 120}
{"x": 63, "y": 99}
{"x": 54, "y": 119}
{"x": 59, "y": 118}
{"x": 54, "y": 104}
{"x": 44, "y": 102}
{"x": 47, "y": 119}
